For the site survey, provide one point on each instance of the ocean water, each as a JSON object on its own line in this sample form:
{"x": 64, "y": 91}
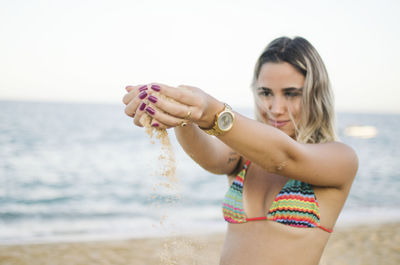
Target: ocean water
{"x": 84, "y": 171}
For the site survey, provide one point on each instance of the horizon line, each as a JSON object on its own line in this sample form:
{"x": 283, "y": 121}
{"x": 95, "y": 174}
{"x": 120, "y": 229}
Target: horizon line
{"x": 98, "y": 102}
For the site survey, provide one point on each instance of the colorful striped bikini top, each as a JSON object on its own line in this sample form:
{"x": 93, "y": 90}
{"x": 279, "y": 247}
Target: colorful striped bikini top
{"x": 295, "y": 205}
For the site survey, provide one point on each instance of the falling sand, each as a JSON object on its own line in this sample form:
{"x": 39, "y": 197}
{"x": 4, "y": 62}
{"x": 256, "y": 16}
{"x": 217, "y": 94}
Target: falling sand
{"x": 169, "y": 183}
{"x": 167, "y": 156}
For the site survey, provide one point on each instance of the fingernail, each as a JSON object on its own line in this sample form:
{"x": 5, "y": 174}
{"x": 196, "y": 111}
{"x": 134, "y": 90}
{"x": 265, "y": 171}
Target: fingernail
{"x": 152, "y": 99}
{"x": 156, "y": 87}
{"x": 150, "y": 110}
{"x": 155, "y": 124}
{"x": 143, "y": 95}
{"x": 142, "y": 106}
{"x": 143, "y": 88}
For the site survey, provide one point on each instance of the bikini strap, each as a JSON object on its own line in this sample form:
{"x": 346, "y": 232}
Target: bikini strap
{"x": 247, "y": 164}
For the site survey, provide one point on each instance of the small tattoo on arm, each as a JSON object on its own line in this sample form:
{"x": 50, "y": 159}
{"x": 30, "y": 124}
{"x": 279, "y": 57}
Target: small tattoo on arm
{"x": 232, "y": 157}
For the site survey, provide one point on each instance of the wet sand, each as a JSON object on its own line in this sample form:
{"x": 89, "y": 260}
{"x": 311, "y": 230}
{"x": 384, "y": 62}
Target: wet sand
{"x": 372, "y": 244}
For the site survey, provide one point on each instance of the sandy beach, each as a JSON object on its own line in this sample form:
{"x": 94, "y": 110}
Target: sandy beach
{"x": 372, "y": 244}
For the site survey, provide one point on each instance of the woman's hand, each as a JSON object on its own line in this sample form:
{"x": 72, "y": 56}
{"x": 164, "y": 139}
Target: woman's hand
{"x": 188, "y": 104}
{"x": 135, "y": 101}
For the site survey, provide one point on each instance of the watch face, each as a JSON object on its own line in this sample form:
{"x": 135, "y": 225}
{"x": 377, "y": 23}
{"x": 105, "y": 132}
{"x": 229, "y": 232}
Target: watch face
{"x": 225, "y": 121}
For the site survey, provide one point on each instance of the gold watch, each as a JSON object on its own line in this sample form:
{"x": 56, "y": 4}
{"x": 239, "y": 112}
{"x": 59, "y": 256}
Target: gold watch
{"x": 223, "y": 122}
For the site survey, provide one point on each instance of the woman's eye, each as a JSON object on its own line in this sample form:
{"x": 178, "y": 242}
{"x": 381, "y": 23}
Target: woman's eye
{"x": 264, "y": 93}
{"x": 292, "y": 94}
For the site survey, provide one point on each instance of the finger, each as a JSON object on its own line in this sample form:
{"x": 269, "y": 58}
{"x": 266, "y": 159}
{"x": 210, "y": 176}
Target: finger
{"x": 133, "y": 92}
{"x": 183, "y": 94}
{"x": 159, "y": 125}
{"x": 140, "y": 111}
{"x": 129, "y": 88}
{"x": 164, "y": 118}
{"x": 132, "y": 106}
{"x": 173, "y": 108}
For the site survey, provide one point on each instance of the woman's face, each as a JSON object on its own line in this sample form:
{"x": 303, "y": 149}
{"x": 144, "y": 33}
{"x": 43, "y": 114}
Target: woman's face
{"x": 278, "y": 92}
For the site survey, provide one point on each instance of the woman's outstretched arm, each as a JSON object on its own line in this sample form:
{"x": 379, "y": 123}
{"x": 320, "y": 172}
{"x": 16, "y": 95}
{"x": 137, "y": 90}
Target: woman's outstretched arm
{"x": 209, "y": 152}
{"x": 330, "y": 164}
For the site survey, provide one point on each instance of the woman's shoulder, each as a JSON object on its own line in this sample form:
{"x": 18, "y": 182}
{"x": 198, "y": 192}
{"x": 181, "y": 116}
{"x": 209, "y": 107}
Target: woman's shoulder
{"x": 331, "y": 164}
{"x": 343, "y": 154}
{"x": 346, "y": 156}
{"x": 341, "y": 148}
{"x": 336, "y": 147}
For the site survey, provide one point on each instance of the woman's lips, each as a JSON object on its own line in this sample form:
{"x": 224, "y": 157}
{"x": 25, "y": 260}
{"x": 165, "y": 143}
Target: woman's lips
{"x": 278, "y": 123}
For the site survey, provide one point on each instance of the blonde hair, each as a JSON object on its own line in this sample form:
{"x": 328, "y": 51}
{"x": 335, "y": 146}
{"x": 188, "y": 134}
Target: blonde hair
{"x": 317, "y": 120}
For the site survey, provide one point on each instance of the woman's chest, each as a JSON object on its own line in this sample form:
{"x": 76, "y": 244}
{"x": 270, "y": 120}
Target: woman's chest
{"x": 259, "y": 189}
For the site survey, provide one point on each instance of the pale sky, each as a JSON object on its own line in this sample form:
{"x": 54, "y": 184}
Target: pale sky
{"x": 88, "y": 50}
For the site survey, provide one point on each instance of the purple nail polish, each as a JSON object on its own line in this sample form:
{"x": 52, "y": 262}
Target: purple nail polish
{"x": 143, "y": 95}
{"x": 152, "y": 99}
{"x": 143, "y": 88}
{"x": 142, "y": 106}
{"x": 150, "y": 110}
{"x": 155, "y": 124}
{"x": 156, "y": 87}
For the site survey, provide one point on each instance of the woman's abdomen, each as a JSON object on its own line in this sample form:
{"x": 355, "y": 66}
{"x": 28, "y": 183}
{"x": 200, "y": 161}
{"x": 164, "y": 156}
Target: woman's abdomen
{"x": 267, "y": 242}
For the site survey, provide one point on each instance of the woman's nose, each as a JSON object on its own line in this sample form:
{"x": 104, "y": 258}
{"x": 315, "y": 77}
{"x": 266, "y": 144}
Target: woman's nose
{"x": 277, "y": 106}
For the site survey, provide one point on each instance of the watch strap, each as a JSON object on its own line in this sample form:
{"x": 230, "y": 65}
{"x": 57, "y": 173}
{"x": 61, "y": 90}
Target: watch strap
{"x": 215, "y": 130}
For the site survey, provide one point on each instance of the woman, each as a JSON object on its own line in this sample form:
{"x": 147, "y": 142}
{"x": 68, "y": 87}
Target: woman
{"x": 277, "y": 165}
